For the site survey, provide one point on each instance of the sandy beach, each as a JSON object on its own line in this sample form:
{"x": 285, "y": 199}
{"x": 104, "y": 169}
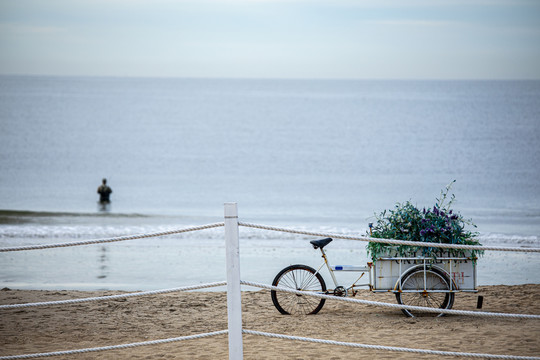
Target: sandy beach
{"x": 94, "y": 324}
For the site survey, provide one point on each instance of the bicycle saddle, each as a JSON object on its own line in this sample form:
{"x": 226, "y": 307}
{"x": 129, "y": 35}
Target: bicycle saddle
{"x": 320, "y": 243}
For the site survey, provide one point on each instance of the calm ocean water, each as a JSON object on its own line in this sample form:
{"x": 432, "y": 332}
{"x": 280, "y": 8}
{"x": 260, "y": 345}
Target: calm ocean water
{"x": 319, "y": 155}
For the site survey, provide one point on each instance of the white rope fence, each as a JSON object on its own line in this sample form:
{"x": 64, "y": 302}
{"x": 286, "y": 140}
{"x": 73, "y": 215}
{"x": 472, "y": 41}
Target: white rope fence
{"x": 280, "y": 336}
{"x": 394, "y": 306}
{"x": 108, "y": 240}
{"x": 268, "y": 287}
{"x": 389, "y": 241}
{"x": 113, "y": 297}
{"x": 114, "y": 347}
{"x": 234, "y": 303}
{"x": 389, "y": 348}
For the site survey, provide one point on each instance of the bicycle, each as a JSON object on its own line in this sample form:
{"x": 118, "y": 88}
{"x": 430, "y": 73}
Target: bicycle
{"x": 415, "y": 280}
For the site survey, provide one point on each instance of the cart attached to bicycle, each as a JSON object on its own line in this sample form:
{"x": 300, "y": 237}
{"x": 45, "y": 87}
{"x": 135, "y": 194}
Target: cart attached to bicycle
{"x": 415, "y": 280}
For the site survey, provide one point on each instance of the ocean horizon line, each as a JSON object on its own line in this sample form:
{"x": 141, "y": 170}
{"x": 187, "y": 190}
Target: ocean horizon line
{"x": 283, "y": 79}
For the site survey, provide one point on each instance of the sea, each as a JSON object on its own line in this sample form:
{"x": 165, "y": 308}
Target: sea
{"x": 322, "y": 156}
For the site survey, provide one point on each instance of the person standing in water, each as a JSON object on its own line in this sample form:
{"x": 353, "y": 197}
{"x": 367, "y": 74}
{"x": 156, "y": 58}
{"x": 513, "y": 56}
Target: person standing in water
{"x": 104, "y": 192}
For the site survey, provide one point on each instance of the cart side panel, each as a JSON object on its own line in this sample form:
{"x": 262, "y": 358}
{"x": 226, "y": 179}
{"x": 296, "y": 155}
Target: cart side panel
{"x": 386, "y": 272}
{"x": 463, "y": 273}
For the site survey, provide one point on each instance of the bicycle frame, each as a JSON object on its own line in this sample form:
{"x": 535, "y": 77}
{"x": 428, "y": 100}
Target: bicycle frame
{"x": 350, "y": 268}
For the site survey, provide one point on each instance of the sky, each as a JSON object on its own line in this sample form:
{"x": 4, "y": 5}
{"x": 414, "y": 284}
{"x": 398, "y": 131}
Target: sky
{"x": 320, "y": 39}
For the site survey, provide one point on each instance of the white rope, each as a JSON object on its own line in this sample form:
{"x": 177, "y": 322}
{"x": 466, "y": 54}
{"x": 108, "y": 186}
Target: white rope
{"x": 113, "y": 297}
{"x": 389, "y": 348}
{"x": 395, "y": 306}
{"x": 390, "y": 241}
{"x": 115, "y": 239}
{"x": 114, "y": 347}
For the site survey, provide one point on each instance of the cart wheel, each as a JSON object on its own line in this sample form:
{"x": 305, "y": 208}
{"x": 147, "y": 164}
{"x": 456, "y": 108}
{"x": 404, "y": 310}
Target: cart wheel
{"x": 298, "y": 277}
{"x": 435, "y": 280}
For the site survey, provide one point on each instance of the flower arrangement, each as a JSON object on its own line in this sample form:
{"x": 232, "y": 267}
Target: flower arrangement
{"x": 439, "y": 224}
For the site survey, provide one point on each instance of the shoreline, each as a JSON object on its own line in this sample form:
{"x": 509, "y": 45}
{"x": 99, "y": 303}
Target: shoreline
{"x": 153, "y": 317}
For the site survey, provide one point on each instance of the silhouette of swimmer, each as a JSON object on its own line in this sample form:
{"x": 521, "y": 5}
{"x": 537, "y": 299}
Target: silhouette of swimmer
{"x": 104, "y": 192}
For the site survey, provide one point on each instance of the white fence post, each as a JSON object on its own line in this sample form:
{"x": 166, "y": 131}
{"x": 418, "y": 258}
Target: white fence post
{"x": 234, "y": 293}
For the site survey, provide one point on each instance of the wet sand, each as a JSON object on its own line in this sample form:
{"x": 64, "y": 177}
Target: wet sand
{"x": 94, "y": 324}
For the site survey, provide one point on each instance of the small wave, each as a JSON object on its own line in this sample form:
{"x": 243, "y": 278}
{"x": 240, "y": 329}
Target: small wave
{"x": 85, "y": 231}
{"x": 16, "y": 232}
{"x": 21, "y": 214}
{"x": 509, "y": 240}
{"x": 77, "y": 231}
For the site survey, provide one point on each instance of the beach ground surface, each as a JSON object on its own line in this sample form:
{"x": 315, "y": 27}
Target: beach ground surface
{"x": 137, "y": 319}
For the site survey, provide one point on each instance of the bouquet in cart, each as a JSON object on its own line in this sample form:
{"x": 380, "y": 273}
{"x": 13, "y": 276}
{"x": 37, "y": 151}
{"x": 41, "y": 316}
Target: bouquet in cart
{"x": 439, "y": 224}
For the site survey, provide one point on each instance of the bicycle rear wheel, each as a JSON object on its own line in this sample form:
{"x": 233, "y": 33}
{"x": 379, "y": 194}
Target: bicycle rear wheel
{"x": 298, "y": 277}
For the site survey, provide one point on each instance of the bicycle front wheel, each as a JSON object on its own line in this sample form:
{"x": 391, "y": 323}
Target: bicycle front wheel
{"x": 298, "y": 277}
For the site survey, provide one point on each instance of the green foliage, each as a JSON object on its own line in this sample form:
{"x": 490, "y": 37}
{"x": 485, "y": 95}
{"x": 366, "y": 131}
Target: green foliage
{"x": 437, "y": 225}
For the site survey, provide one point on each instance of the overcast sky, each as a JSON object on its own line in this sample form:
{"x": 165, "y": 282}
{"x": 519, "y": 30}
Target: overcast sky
{"x": 351, "y": 39}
